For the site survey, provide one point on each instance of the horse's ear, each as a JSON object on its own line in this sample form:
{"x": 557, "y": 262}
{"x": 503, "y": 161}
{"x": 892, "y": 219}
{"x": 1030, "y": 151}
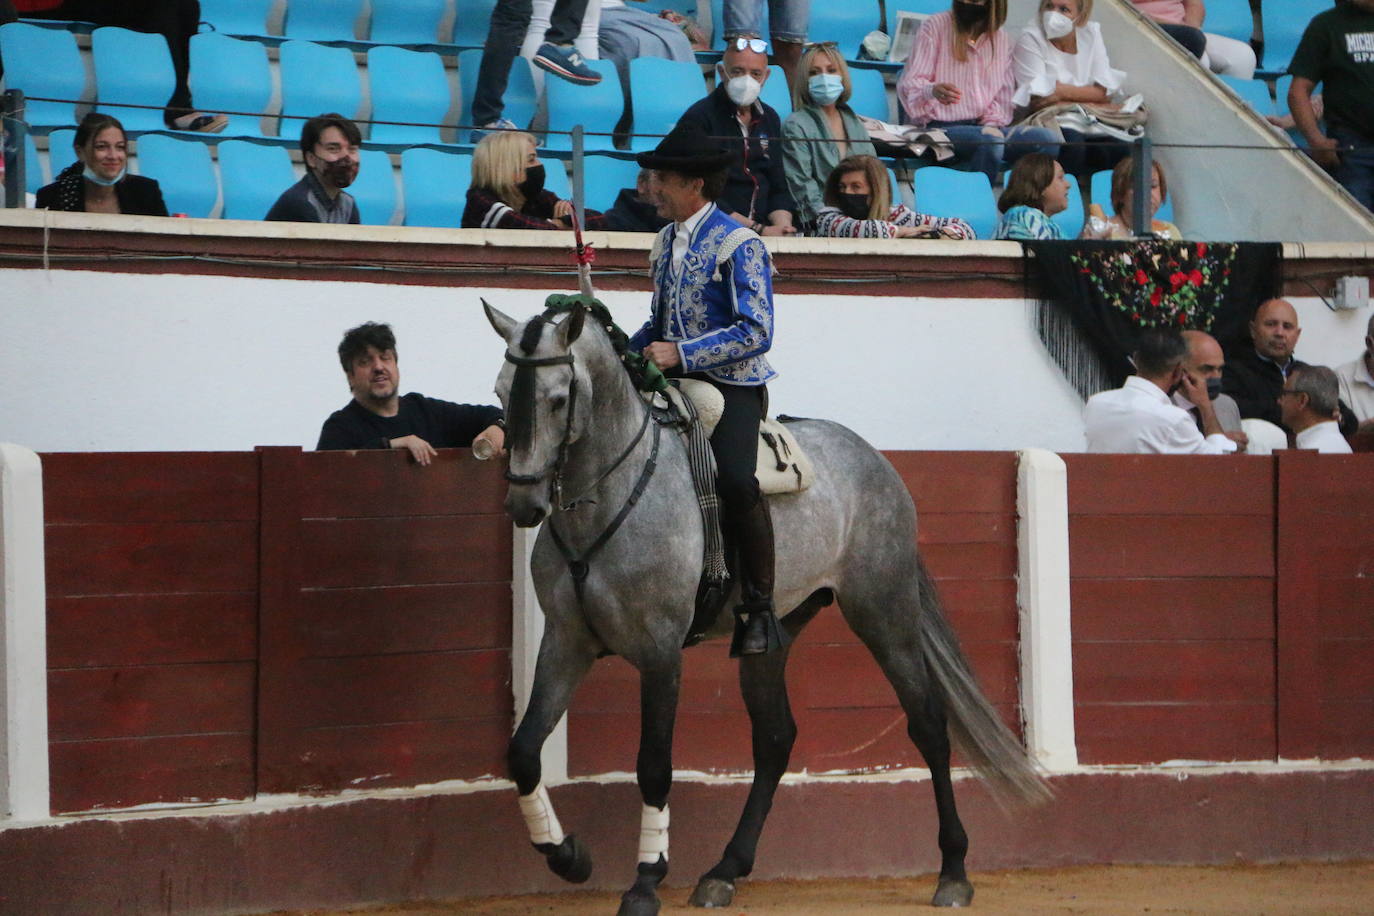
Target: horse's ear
{"x": 502, "y": 323}
{"x": 571, "y": 327}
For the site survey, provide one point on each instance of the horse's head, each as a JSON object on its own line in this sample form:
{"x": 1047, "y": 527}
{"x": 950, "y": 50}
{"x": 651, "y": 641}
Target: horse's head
{"x": 546, "y": 395}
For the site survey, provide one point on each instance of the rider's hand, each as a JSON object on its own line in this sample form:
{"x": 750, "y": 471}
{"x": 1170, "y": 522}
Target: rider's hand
{"x": 419, "y": 449}
{"x": 663, "y": 355}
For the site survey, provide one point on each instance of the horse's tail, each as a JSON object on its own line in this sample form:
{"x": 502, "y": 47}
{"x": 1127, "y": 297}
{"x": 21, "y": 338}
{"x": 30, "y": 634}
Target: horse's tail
{"x": 975, "y": 728}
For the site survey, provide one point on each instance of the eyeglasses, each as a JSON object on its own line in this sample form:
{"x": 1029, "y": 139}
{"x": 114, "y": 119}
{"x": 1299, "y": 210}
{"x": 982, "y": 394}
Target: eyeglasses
{"x": 757, "y": 45}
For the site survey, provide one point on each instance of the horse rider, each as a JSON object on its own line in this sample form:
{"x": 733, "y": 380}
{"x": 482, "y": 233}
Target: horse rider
{"x": 712, "y": 319}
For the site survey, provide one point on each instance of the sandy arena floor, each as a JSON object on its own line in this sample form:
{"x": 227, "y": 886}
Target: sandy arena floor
{"x": 1305, "y": 889}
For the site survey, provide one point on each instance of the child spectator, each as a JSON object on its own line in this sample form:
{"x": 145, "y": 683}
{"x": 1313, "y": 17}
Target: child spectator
{"x": 1036, "y": 190}
{"x": 1060, "y": 57}
{"x": 1123, "y": 202}
{"x": 329, "y": 146}
{"x": 858, "y": 205}
{"x": 821, "y": 130}
{"x": 98, "y": 182}
{"x": 958, "y": 78}
{"x": 1182, "y": 21}
{"x": 508, "y": 188}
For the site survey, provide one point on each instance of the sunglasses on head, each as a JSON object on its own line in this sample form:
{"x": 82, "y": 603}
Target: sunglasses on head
{"x": 819, "y": 44}
{"x": 757, "y": 45}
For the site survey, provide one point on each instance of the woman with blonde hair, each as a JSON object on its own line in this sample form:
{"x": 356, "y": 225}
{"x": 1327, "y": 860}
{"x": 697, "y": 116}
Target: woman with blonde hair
{"x": 507, "y": 189}
{"x": 958, "y": 79}
{"x": 858, "y": 205}
{"x": 821, "y": 130}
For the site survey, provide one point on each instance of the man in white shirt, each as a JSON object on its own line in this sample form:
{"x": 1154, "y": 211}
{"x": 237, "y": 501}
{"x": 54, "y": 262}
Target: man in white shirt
{"x": 1356, "y": 379}
{"x": 1310, "y": 408}
{"x": 1139, "y": 418}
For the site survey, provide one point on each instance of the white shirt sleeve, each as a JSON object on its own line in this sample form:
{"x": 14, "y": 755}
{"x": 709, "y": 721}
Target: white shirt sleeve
{"x": 1032, "y": 67}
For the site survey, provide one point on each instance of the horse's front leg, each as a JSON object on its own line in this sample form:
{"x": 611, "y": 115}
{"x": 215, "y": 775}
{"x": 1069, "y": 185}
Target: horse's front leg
{"x": 658, "y": 693}
{"x": 762, "y": 681}
{"x": 563, "y": 661}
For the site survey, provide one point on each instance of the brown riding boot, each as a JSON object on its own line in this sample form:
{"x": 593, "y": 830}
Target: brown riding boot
{"x": 757, "y": 629}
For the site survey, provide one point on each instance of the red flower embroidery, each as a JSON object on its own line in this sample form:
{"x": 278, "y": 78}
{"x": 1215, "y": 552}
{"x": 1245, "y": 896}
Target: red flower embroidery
{"x": 1202, "y": 249}
{"x": 1156, "y": 295}
{"x": 1176, "y": 280}
{"x": 1141, "y": 278}
{"x": 1195, "y": 277}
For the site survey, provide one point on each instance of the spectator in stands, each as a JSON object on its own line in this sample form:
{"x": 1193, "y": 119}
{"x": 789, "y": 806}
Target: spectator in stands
{"x": 174, "y": 20}
{"x": 634, "y": 209}
{"x": 329, "y": 147}
{"x": 98, "y": 181}
{"x": 379, "y": 417}
{"x": 508, "y": 191}
{"x": 626, "y": 34}
{"x": 821, "y": 130}
{"x": 1357, "y": 382}
{"x": 1310, "y": 408}
{"x": 1139, "y": 418}
{"x": 756, "y": 191}
{"x": 1060, "y": 57}
{"x": 958, "y": 78}
{"x": 1182, "y": 20}
{"x": 1256, "y": 373}
{"x": 1205, "y": 362}
{"x": 1118, "y": 226}
{"x": 509, "y": 21}
{"x": 787, "y": 24}
{"x": 1337, "y": 50}
{"x": 1036, "y": 190}
{"x": 858, "y": 205}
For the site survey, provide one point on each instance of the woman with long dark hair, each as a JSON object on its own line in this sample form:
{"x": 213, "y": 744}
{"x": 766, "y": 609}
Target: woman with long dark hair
{"x": 98, "y": 181}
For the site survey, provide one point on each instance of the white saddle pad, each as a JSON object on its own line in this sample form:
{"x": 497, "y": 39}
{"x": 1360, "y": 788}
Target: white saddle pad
{"x": 782, "y": 465}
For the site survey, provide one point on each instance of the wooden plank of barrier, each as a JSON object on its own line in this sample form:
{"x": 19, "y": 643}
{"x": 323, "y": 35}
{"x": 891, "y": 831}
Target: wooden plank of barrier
{"x": 1298, "y": 546}
{"x": 140, "y": 487}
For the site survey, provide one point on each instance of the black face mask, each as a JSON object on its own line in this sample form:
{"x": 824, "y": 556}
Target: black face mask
{"x": 533, "y": 183}
{"x": 1213, "y": 388}
{"x": 854, "y": 206}
{"x": 968, "y": 15}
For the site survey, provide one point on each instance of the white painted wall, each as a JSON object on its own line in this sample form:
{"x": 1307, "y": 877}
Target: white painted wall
{"x": 119, "y": 362}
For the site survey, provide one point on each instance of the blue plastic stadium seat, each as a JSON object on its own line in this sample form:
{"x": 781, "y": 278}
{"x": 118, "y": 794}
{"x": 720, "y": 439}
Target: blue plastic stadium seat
{"x": 436, "y": 186}
{"x": 520, "y": 100}
{"x": 252, "y": 177}
{"x": 844, "y": 22}
{"x": 375, "y": 189}
{"x": 60, "y": 152}
{"x": 316, "y": 79}
{"x": 1254, "y": 93}
{"x": 407, "y": 22}
{"x": 231, "y": 74}
{"x": 605, "y": 177}
{"x": 1070, "y": 219}
{"x": 776, "y": 93}
{"x": 556, "y": 179}
{"x": 1284, "y": 24}
{"x": 44, "y": 62}
{"x": 597, "y": 108}
{"x": 470, "y": 22}
{"x": 183, "y": 170}
{"x": 869, "y": 96}
{"x": 950, "y": 192}
{"x": 236, "y": 17}
{"x": 133, "y": 68}
{"x": 34, "y": 177}
{"x": 1230, "y": 18}
{"x": 407, "y": 86}
{"x": 660, "y": 91}
{"x": 1102, "y": 196}
{"x": 322, "y": 20}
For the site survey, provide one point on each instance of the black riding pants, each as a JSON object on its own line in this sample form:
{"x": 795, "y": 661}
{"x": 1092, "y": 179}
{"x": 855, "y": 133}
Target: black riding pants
{"x": 735, "y": 443}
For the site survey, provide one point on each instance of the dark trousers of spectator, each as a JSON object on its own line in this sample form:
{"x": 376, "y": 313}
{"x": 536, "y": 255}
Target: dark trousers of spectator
{"x": 1356, "y": 171}
{"x": 1192, "y": 39}
{"x": 509, "y": 21}
{"x": 174, "y": 20}
{"x": 1094, "y": 155}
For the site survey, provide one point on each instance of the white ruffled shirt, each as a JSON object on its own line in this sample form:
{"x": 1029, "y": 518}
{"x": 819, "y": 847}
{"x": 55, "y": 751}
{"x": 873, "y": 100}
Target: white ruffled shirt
{"x": 1039, "y": 65}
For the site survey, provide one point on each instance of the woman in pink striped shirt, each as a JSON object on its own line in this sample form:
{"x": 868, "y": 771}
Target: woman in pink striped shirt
{"x": 959, "y": 79}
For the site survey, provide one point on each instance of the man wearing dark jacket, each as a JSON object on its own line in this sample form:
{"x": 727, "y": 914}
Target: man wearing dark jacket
{"x": 756, "y": 193}
{"x": 329, "y": 146}
{"x": 379, "y": 417}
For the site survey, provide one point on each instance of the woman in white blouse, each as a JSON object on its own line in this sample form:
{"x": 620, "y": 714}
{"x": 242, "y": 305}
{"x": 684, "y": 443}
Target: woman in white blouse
{"x": 1060, "y": 57}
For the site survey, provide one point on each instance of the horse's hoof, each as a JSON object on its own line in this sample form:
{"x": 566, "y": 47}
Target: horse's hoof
{"x": 570, "y": 860}
{"x": 713, "y": 892}
{"x": 635, "y": 902}
{"x": 953, "y": 892}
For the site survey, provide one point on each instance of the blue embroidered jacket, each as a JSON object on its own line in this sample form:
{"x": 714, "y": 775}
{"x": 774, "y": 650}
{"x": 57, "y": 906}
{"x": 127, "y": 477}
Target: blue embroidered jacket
{"x": 719, "y": 310}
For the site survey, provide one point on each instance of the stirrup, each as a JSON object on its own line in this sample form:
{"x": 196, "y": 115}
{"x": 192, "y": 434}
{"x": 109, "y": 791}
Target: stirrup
{"x": 757, "y": 630}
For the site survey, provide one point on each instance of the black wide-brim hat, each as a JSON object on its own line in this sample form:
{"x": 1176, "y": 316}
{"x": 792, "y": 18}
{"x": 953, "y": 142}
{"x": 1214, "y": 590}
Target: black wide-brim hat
{"x": 686, "y": 149}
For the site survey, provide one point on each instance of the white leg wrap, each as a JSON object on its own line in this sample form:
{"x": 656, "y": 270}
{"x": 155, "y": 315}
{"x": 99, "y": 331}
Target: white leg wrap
{"x": 653, "y": 834}
{"x": 539, "y": 817}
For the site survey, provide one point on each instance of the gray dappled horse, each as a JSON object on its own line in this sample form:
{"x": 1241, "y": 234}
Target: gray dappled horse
{"x": 621, "y": 513}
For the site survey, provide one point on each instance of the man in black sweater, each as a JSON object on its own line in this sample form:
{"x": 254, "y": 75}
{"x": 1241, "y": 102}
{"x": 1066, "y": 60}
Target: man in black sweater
{"x": 378, "y": 417}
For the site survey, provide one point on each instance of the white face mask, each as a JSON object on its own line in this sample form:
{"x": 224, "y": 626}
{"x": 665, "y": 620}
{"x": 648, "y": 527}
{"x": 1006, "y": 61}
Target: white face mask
{"x": 1055, "y": 24}
{"x": 743, "y": 90}
{"x": 89, "y": 174}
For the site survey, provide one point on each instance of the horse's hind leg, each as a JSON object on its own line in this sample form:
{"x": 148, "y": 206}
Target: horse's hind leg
{"x": 560, "y": 667}
{"x": 659, "y": 684}
{"x": 764, "y": 686}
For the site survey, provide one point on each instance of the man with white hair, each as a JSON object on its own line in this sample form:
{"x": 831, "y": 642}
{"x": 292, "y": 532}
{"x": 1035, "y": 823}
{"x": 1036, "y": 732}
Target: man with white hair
{"x": 1310, "y": 408}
